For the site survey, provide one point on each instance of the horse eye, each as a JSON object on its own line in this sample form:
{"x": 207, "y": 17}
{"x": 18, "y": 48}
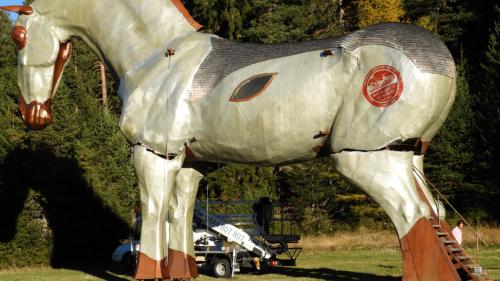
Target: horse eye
{"x": 19, "y": 35}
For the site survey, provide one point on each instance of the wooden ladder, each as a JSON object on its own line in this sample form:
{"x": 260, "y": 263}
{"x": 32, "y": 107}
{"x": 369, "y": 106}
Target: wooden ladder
{"x": 467, "y": 269}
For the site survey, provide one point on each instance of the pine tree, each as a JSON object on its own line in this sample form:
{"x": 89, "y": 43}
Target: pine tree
{"x": 220, "y": 17}
{"x": 64, "y": 182}
{"x": 469, "y": 29}
{"x": 489, "y": 117}
{"x": 10, "y": 124}
{"x": 268, "y": 21}
{"x": 450, "y": 159}
{"x": 297, "y": 21}
{"x": 238, "y": 182}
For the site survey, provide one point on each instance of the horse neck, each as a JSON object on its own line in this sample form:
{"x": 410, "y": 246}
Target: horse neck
{"x": 123, "y": 32}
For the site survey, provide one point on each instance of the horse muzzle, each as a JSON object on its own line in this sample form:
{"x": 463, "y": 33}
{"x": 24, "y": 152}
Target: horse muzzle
{"x": 36, "y": 115}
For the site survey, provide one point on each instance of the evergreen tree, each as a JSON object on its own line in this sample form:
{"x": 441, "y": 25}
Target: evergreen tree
{"x": 238, "y": 182}
{"x": 269, "y": 21}
{"x": 488, "y": 116}
{"x": 295, "y": 21}
{"x": 469, "y": 29}
{"x": 309, "y": 192}
{"x": 71, "y": 187}
{"x": 322, "y": 201}
{"x": 450, "y": 159}
{"x": 221, "y": 17}
{"x": 9, "y": 123}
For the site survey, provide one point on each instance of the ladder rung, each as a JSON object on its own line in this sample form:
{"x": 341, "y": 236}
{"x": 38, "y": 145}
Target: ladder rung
{"x": 436, "y": 225}
{"x": 456, "y": 250}
{"x": 442, "y": 234}
{"x": 446, "y": 241}
{"x": 476, "y": 270}
{"x": 462, "y": 258}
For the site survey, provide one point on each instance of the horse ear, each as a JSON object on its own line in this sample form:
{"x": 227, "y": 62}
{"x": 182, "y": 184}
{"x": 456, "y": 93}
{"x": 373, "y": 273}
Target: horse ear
{"x": 23, "y": 10}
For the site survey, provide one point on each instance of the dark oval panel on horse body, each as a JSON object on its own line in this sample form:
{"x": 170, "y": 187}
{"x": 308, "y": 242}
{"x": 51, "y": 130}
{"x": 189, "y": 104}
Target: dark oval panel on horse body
{"x": 252, "y": 87}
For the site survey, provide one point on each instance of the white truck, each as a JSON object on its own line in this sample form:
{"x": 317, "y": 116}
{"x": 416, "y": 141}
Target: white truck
{"x": 224, "y": 243}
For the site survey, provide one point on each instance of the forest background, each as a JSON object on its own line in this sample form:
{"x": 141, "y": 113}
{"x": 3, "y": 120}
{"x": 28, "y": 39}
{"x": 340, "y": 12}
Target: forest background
{"x": 68, "y": 193}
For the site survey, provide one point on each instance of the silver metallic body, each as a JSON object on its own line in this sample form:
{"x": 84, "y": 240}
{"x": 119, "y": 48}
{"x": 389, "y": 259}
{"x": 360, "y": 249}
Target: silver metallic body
{"x": 310, "y": 93}
{"x": 315, "y": 100}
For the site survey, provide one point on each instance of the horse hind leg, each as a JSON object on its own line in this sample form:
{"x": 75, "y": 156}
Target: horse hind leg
{"x": 387, "y": 176}
{"x": 438, "y": 211}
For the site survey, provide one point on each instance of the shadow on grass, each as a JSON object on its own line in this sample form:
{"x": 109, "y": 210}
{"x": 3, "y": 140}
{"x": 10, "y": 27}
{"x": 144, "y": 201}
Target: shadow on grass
{"x": 80, "y": 231}
{"x": 109, "y": 272}
{"x": 327, "y": 274}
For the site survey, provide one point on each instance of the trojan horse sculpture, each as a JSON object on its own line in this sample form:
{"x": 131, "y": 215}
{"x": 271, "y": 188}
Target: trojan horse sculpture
{"x": 189, "y": 96}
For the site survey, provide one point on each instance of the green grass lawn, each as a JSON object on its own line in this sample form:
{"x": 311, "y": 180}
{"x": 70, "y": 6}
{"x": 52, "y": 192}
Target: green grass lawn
{"x": 381, "y": 265}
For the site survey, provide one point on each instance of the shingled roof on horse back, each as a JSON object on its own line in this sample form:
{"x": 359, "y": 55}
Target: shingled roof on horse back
{"x": 410, "y": 39}
{"x": 228, "y": 56}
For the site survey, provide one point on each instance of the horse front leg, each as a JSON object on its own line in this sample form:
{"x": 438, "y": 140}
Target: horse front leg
{"x": 181, "y": 257}
{"x": 156, "y": 176}
{"x": 387, "y": 177}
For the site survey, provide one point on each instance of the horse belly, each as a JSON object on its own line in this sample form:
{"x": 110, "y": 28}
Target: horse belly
{"x": 287, "y": 122}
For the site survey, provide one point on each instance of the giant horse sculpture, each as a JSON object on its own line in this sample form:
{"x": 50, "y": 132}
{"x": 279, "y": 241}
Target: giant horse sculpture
{"x": 189, "y": 96}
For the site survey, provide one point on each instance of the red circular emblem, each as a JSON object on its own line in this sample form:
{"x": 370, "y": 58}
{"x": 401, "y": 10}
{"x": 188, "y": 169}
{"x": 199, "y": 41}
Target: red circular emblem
{"x": 383, "y": 85}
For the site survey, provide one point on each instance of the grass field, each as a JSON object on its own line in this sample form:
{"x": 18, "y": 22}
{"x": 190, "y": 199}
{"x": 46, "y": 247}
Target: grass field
{"x": 342, "y": 265}
{"x": 369, "y": 255}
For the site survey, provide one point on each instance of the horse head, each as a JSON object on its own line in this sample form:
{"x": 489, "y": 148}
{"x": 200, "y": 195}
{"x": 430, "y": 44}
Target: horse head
{"x": 42, "y": 56}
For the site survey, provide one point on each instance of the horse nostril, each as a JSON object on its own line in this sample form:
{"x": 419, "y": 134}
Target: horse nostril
{"x": 36, "y": 115}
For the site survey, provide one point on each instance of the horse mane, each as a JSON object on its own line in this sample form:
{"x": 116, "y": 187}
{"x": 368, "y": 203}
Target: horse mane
{"x": 178, "y": 4}
{"x": 49, "y": 6}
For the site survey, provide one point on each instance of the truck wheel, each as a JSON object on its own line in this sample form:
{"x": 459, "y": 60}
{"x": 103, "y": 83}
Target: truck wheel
{"x": 221, "y": 268}
{"x": 128, "y": 261}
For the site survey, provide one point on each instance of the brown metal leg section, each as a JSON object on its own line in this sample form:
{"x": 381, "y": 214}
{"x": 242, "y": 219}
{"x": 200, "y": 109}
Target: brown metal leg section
{"x": 453, "y": 250}
{"x": 179, "y": 266}
{"x": 148, "y": 268}
{"x": 424, "y": 255}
